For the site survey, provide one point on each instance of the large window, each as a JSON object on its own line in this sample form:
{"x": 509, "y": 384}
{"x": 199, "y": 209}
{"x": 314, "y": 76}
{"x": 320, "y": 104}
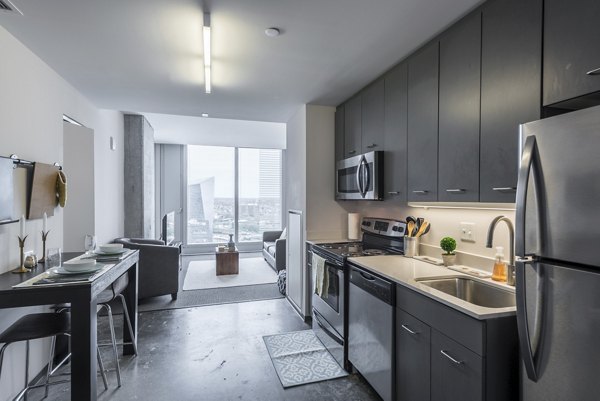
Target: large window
{"x": 223, "y": 200}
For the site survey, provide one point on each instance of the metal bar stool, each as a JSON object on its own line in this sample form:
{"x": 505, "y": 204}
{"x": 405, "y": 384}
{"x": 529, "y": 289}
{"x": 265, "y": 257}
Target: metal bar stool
{"x": 114, "y": 291}
{"x": 36, "y": 326}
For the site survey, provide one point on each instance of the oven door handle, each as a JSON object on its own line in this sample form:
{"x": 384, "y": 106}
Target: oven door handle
{"x": 319, "y": 319}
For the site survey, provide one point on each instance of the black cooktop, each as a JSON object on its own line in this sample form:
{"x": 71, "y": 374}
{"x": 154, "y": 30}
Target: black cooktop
{"x": 352, "y": 249}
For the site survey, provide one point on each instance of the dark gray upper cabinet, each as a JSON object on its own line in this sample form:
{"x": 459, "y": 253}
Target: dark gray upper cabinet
{"x": 571, "y": 32}
{"x": 373, "y": 116}
{"x": 460, "y": 79}
{"x": 352, "y": 127}
{"x": 511, "y": 69}
{"x": 395, "y": 162}
{"x": 413, "y": 339}
{"x": 423, "y": 124}
{"x": 339, "y": 133}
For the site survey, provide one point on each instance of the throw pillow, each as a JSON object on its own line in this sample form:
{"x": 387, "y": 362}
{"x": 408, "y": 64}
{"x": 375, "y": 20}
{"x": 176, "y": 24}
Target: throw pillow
{"x": 283, "y": 234}
{"x": 281, "y": 281}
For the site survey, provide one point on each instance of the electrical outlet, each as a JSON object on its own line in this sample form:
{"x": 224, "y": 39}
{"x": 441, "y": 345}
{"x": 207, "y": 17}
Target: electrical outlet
{"x": 467, "y": 232}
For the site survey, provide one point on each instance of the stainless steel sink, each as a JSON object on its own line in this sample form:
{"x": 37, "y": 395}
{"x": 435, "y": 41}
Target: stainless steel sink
{"x": 472, "y": 291}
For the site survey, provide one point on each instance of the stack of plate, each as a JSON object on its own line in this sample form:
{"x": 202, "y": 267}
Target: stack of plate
{"x": 78, "y": 266}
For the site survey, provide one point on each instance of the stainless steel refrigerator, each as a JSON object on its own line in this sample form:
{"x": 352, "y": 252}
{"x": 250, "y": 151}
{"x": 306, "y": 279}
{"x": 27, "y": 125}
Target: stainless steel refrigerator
{"x": 558, "y": 250}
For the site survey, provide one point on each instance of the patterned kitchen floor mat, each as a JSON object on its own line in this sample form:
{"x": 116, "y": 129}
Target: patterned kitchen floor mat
{"x": 299, "y": 357}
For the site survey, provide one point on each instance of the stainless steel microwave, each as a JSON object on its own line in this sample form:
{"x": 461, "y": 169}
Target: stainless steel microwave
{"x": 360, "y": 177}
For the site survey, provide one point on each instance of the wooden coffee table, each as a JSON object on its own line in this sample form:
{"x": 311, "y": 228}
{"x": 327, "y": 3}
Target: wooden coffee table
{"x": 228, "y": 262}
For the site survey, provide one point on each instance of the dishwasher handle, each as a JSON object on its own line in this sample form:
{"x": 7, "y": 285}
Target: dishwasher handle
{"x": 374, "y": 285}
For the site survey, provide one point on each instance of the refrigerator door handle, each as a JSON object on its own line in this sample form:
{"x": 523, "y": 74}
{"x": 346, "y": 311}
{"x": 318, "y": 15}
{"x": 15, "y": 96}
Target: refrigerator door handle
{"x": 524, "y": 172}
{"x": 522, "y": 321}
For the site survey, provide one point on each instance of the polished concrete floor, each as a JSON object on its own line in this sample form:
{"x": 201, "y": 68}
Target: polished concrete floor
{"x": 214, "y": 353}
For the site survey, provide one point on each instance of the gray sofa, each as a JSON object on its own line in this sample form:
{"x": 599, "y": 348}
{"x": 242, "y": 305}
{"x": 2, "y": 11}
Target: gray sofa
{"x": 159, "y": 266}
{"x": 274, "y": 249}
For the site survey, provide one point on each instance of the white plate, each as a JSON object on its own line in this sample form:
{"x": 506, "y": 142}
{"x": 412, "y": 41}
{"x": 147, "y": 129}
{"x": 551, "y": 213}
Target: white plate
{"x": 79, "y": 265}
{"x": 61, "y": 270}
{"x": 110, "y": 248}
{"x": 115, "y": 252}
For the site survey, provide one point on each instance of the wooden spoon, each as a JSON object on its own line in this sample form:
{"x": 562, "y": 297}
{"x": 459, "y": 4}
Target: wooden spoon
{"x": 424, "y": 228}
{"x": 409, "y": 228}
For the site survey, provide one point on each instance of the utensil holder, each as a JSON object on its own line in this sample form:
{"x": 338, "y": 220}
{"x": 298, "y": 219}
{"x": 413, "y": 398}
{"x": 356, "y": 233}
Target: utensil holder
{"x": 411, "y": 246}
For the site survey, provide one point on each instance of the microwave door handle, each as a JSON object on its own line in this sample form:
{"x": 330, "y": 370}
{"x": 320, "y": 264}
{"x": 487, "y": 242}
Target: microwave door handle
{"x": 523, "y": 182}
{"x": 366, "y": 176}
{"x": 358, "y": 179}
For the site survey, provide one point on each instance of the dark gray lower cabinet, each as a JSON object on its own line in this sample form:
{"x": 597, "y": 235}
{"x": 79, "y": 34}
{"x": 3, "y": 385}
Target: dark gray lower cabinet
{"x": 413, "y": 339}
{"x": 456, "y": 372}
{"x": 445, "y": 355}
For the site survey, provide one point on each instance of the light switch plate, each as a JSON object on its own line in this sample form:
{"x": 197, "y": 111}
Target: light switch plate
{"x": 467, "y": 232}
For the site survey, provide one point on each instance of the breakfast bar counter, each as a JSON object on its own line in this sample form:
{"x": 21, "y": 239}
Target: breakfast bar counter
{"x": 82, "y": 297}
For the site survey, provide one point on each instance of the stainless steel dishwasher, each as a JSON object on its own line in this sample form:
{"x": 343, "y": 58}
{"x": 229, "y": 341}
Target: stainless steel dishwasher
{"x": 371, "y": 329}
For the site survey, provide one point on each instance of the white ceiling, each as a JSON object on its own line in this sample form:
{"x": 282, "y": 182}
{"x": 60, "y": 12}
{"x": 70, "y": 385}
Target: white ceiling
{"x": 146, "y": 55}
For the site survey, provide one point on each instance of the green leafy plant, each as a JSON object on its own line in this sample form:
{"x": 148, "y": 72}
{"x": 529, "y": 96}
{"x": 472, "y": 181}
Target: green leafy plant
{"x": 448, "y": 245}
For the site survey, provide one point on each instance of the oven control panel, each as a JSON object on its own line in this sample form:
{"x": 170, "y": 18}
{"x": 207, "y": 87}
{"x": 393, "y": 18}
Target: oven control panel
{"x": 387, "y": 227}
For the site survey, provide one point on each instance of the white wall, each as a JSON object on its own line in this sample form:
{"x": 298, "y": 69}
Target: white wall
{"x": 325, "y": 218}
{"x": 33, "y": 99}
{"x": 79, "y": 215}
{"x": 294, "y": 174}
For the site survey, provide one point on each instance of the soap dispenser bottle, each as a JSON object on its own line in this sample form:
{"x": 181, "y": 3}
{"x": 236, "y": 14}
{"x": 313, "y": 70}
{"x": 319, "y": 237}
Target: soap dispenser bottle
{"x": 500, "y": 268}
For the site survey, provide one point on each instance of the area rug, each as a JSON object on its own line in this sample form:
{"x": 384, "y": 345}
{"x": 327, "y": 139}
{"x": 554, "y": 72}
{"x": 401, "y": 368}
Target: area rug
{"x": 211, "y": 296}
{"x": 299, "y": 358}
{"x": 202, "y": 275}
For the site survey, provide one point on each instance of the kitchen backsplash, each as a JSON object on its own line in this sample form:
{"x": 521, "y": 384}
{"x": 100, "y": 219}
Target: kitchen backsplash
{"x": 446, "y": 222}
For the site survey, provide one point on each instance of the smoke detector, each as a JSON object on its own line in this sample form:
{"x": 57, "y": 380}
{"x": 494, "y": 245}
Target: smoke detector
{"x": 272, "y": 32}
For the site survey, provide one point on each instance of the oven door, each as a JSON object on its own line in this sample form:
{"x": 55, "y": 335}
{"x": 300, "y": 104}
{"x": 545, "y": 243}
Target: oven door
{"x": 331, "y": 306}
{"x": 360, "y": 177}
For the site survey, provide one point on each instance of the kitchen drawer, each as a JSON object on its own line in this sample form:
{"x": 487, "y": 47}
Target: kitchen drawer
{"x": 460, "y": 327}
{"x": 456, "y": 372}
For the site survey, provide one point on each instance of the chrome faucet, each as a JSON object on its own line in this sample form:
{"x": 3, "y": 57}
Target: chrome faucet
{"x": 510, "y": 274}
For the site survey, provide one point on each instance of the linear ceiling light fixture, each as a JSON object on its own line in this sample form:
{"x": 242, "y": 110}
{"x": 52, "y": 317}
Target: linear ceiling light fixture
{"x": 207, "y": 63}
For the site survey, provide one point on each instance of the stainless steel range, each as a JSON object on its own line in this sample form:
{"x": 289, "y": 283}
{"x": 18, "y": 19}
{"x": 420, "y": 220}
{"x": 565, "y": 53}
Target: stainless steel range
{"x": 330, "y": 307}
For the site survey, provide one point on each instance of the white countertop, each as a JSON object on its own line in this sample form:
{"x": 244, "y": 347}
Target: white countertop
{"x": 405, "y": 271}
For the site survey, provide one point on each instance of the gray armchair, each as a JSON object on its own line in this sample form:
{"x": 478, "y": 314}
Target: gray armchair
{"x": 159, "y": 267}
{"x": 274, "y": 249}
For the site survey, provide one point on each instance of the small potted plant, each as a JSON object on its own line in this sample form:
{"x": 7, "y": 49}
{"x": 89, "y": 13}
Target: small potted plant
{"x": 448, "y": 245}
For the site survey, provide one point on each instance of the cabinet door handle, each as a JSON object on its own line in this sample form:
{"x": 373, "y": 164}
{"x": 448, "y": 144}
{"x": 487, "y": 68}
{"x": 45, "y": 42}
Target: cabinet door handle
{"x": 594, "y": 72}
{"x": 420, "y": 192}
{"x": 409, "y": 330}
{"x": 374, "y": 145}
{"x": 456, "y": 190}
{"x": 456, "y": 361}
{"x": 352, "y": 152}
{"x": 505, "y": 189}
{"x": 394, "y": 192}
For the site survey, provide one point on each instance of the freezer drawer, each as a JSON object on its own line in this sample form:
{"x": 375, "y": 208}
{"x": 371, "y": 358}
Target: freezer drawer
{"x": 563, "y": 322}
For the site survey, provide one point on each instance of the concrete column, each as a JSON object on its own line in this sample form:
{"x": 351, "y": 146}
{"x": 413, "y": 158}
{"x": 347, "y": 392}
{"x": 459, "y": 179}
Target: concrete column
{"x": 139, "y": 177}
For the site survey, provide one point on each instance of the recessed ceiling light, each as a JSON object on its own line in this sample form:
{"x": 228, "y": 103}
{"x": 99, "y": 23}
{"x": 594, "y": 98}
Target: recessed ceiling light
{"x": 272, "y": 32}
{"x": 207, "y": 61}
{"x": 204, "y": 114}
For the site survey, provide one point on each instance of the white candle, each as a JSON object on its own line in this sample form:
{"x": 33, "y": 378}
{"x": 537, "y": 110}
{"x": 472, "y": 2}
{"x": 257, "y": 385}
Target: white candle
{"x": 22, "y": 226}
{"x": 45, "y": 224}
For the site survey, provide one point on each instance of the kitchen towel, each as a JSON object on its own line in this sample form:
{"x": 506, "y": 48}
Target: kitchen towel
{"x": 353, "y": 225}
{"x": 320, "y": 276}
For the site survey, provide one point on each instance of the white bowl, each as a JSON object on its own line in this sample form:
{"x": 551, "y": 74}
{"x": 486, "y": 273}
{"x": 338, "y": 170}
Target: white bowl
{"x": 111, "y": 248}
{"x": 79, "y": 265}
